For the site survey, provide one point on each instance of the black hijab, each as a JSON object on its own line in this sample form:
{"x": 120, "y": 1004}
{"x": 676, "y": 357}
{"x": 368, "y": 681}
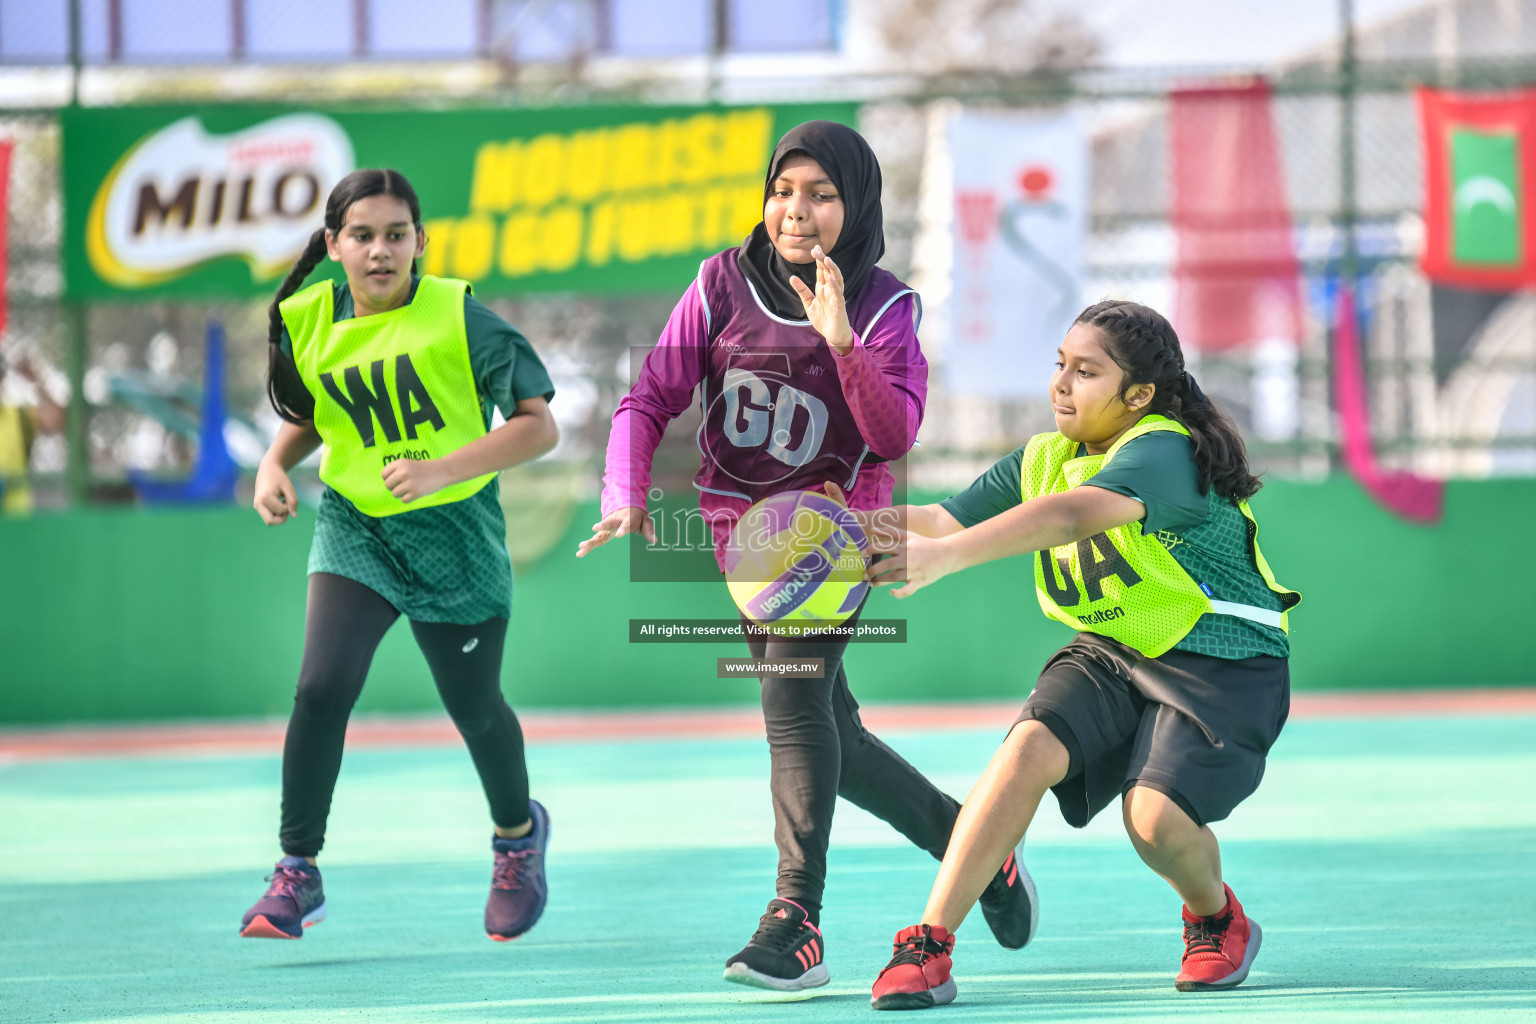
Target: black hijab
{"x": 851, "y": 164}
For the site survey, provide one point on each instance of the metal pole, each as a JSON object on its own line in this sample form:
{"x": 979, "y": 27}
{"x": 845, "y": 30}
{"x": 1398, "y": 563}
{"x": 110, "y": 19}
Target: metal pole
{"x": 77, "y": 472}
{"x": 237, "y": 29}
{"x": 114, "y": 30}
{"x": 719, "y": 43}
{"x": 360, "y": 28}
{"x": 484, "y": 19}
{"x": 74, "y": 53}
{"x": 1349, "y": 258}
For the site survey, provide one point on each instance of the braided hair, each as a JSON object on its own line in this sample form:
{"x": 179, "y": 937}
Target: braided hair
{"x": 285, "y": 387}
{"x": 1143, "y": 344}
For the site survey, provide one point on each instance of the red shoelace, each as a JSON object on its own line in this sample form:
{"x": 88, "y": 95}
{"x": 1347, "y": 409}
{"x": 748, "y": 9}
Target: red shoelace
{"x": 286, "y": 881}
{"x": 510, "y": 868}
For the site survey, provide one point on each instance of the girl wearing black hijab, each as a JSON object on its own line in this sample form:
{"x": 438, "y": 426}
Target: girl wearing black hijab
{"x": 811, "y": 377}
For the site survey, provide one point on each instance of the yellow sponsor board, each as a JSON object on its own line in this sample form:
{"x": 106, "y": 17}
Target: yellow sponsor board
{"x": 218, "y": 201}
{"x": 627, "y": 192}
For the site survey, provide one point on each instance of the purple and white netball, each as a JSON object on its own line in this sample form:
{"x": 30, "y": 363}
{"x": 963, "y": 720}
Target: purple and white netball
{"x": 797, "y": 557}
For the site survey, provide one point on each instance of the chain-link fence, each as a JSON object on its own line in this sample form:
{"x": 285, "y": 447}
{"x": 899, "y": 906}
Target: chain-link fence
{"x": 127, "y": 33}
{"x": 1452, "y": 375}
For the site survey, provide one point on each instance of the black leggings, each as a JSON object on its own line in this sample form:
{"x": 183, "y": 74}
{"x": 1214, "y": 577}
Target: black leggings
{"x": 343, "y": 624}
{"x": 819, "y": 750}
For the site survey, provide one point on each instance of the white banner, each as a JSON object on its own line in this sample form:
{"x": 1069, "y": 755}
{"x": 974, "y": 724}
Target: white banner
{"x": 1020, "y": 220}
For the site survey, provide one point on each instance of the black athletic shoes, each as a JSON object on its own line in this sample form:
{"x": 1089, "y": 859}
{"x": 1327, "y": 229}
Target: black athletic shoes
{"x": 1010, "y": 904}
{"x": 786, "y": 953}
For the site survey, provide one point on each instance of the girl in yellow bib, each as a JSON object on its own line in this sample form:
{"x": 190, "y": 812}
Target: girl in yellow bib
{"x": 1134, "y": 514}
{"x": 396, "y": 375}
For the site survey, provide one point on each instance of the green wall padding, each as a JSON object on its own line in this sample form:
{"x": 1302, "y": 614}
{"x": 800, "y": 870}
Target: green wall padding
{"x": 108, "y": 614}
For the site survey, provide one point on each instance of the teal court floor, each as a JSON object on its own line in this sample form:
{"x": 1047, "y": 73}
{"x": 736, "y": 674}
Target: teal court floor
{"x": 1391, "y": 859}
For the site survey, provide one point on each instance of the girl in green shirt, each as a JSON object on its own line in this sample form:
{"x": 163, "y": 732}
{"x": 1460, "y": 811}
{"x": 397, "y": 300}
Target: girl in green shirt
{"x": 1135, "y": 513}
{"x": 396, "y": 375}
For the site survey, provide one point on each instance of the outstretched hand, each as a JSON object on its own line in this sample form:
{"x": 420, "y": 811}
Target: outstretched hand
{"x": 824, "y": 307}
{"x": 626, "y": 520}
{"x": 913, "y": 559}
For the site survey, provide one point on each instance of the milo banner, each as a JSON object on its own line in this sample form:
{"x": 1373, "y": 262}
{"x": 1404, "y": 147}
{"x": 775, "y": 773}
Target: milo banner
{"x": 1479, "y": 162}
{"x": 216, "y": 202}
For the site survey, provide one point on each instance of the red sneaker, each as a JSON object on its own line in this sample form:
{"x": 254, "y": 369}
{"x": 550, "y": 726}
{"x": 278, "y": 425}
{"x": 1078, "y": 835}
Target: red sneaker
{"x": 918, "y": 975}
{"x": 1218, "y": 950}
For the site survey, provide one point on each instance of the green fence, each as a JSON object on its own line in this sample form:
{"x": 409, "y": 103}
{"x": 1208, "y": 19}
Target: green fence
{"x": 162, "y": 614}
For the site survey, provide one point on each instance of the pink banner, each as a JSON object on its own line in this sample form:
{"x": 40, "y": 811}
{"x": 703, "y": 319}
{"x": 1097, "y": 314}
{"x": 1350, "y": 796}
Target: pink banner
{"x": 1416, "y": 498}
{"x": 1237, "y": 279}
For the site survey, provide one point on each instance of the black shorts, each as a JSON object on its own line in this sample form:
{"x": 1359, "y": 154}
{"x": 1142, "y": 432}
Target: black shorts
{"x": 1194, "y": 727}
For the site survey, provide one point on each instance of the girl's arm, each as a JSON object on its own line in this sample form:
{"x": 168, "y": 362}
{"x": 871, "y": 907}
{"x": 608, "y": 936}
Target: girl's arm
{"x": 665, "y": 388}
{"x": 929, "y": 520}
{"x": 529, "y": 433}
{"x": 275, "y": 499}
{"x": 925, "y": 520}
{"x": 1045, "y": 522}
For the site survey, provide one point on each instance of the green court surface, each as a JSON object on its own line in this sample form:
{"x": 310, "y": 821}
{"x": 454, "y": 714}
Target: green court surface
{"x": 1390, "y": 860}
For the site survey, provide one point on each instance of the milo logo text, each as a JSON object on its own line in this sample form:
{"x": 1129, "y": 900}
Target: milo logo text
{"x": 368, "y": 402}
{"x": 293, "y": 195}
{"x": 1097, "y": 559}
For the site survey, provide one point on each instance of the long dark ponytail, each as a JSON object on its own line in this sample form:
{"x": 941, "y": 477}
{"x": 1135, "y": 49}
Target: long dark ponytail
{"x": 1143, "y": 343}
{"x": 285, "y": 388}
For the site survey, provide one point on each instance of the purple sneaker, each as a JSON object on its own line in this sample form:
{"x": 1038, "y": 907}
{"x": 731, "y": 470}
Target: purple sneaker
{"x": 518, "y": 887}
{"x": 293, "y": 902}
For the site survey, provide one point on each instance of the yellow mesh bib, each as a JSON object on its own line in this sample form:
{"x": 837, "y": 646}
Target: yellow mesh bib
{"x": 395, "y": 385}
{"x": 15, "y": 495}
{"x": 1122, "y": 584}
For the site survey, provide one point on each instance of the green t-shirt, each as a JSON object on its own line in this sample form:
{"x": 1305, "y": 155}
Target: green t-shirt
{"x": 505, "y": 366}
{"x": 443, "y": 563}
{"x": 1158, "y": 469}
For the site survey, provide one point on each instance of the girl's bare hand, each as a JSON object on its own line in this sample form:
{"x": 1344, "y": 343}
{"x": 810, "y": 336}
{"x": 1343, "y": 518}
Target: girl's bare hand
{"x": 409, "y": 479}
{"x": 616, "y": 524}
{"x": 913, "y": 559}
{"x": 824, "y": 307}
{"x": 275, "y": 499}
